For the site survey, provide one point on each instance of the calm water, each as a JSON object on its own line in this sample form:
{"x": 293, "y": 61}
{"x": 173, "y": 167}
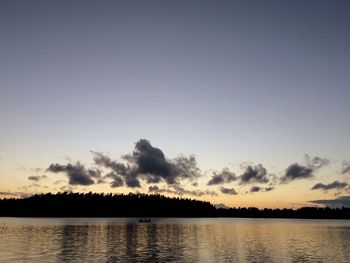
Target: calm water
{"x": 173, "y": 240}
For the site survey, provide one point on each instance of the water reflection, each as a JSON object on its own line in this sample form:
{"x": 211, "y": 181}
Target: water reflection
{"x": 173, "y": 240}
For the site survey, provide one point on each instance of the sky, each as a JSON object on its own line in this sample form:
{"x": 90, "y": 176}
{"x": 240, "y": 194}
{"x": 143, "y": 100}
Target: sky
{"x": 241, "y": 103}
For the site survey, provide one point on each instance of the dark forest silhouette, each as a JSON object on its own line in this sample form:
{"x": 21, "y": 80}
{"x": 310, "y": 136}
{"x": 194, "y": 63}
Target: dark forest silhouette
{"x": 145, "y": 205}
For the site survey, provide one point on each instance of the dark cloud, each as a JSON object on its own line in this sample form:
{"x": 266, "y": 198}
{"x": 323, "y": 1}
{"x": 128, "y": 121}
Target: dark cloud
{"x": 149, "y": 163}
{"x": 77, "y": 174}
{"x": 298, "y": 171}
{"x": 338, "y": 202}
{"x": 153, "y": 188}
{"x": 117, "y": 180}
{"x": 103, "y": 160}
{"x": 121, "y": 170}
{"x": 330, "y": 186}
{"x": 346, "y": 167}
{"x": 316, "y": 162}
{"x": 96, "y": 174}
{"x": 151, "y": 160}
{"x": 178, "y": 190}
{"x": 228, "y": 191}
{"x": 221, "y": 206}
{"x": 255, "y": 189}
{"x": 226, "y": 176}
{"x": 67, "y": 188}
{"x": 186, "y": 168}
{"x": 254, "y": 174}
{"x": 37, "y": 177}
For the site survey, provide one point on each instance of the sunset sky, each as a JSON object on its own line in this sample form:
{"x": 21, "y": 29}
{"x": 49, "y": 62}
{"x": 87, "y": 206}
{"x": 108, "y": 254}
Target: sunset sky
{"x": 241, "y": 103}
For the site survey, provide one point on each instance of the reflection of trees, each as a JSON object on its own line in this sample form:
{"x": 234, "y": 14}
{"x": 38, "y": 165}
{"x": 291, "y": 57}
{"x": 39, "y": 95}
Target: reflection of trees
{"x": 115, "y": 239}
{"x": 177, "y": 240}
{"x": 74, "y": 243}
{"x": 146, "y": 243}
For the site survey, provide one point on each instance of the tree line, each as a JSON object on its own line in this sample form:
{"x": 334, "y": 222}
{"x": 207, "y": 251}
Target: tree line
{"x": 70, "y": 204}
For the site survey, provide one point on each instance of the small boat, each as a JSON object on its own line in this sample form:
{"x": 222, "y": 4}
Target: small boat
{"x": 144, "y": 220}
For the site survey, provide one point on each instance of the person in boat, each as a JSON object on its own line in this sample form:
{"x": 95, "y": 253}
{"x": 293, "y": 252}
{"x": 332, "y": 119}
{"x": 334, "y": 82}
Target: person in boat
{"x": 144, "y": 220}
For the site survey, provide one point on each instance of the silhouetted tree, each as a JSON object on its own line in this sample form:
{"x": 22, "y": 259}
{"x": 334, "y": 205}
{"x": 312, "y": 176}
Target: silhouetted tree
{"x": 70, "y": 204}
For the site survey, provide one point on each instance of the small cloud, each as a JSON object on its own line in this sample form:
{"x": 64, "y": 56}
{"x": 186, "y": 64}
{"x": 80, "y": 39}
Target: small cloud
{"x": 178, "y": 190}
{"x": 77, "y": 174}
{"x": 335, "y": 185}
{"x": 67, "y": 188}
{"x": 316, "y": 162}
{"x": 228, "y": 191}
{"x": 117, "y": 180}
{"x": 254, "y": 174}
{"x": 225, "y": 176}
{"x": 255, "y": 189}
{"x": 337, "y": 202}
{"x": 15, "y": 194}
{"x": 297, "y": 171}
{"x": 221, "y": 206}
{"x": 345, "y": 167}
{"x": 9, "y": 193}
{"x": 37, "y": 178}
{"x": 153, "y": 188}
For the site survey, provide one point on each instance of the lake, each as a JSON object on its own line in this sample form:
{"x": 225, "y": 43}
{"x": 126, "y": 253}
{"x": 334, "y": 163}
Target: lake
{"x": 173, "y": 240}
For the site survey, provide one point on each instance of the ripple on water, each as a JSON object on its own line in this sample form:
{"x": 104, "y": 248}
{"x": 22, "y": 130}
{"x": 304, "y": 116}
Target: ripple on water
{"x": 174, "y": 240}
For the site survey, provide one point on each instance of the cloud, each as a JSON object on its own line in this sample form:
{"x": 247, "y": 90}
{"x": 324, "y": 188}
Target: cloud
{"x": 298, "y": 171}
{"x": 96, "y": 174}
{"x": 221, "y": 206}
{"x": 9, "y": 193}
{"x": 228, "y": 191}
{"x": 66, "y": 188}
{"x": 59, "y": 182}
{"x": 37, "y": 177}
{"x": 178, "y": 190}
{"x": 255, "y": 189}
{"x": 338, "y": 202}
{"x": 226, "y": 176}
{"x": 316, "y": 162}
{"x": 153, "y": 188}
{"x": 151, "y": 161}
{"x": 149, "y": 164}
{"x": 346, "y": 167}
{"x": 330, "y": 186}
{"x": 117, "y": 180}
{"x": 15, "y": 194}
{"x": 254, "y": 174}
{"x": 77, "y": 174}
